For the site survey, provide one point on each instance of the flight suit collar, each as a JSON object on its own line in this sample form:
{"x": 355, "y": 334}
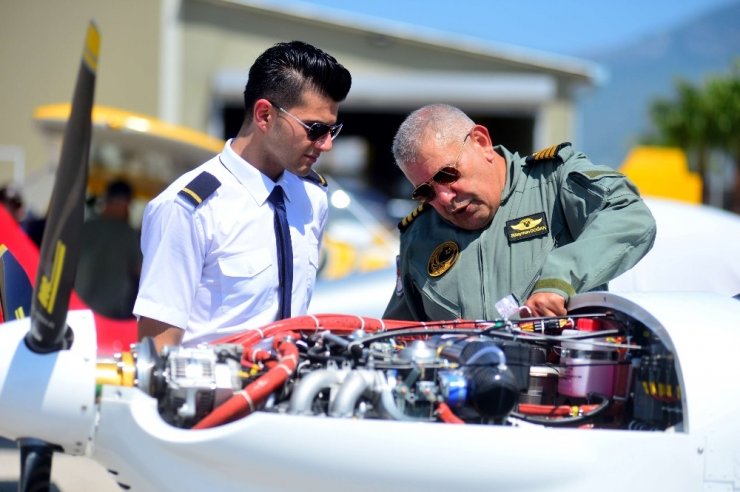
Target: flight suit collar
{"x": 513, "y": 163}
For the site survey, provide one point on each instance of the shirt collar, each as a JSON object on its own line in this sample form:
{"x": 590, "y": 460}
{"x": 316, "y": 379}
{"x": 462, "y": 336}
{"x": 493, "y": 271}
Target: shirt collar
{"x": 257, "y": 184}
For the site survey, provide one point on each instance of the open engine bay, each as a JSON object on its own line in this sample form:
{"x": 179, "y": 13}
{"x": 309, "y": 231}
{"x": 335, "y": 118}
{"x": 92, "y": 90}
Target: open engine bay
{"x": 595, "y": 369}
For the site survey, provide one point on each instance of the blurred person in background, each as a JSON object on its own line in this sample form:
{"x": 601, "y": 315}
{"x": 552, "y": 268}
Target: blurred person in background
{"x": 13, "y": 202}
{"x": 110, "y": 261}
{"x": 33, "y": 225}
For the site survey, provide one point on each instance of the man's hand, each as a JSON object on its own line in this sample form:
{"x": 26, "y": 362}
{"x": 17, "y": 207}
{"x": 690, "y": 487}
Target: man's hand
{"x": 546, "y": 304}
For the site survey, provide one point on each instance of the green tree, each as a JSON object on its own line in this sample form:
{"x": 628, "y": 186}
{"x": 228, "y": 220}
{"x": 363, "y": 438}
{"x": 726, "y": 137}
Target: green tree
{"x": 703, "y": 119}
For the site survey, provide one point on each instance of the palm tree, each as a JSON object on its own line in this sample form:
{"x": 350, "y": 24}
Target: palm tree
{"x": 723, "y": 98}
{"x": 701, "y": 120}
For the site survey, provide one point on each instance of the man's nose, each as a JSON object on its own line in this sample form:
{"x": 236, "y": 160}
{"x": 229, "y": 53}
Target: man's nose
{"x": 443, "y": 194}
{"x": 324, "y": 144}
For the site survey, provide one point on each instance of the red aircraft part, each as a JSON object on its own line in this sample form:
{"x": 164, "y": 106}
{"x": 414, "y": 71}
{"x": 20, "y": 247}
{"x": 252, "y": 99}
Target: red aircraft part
{"x": 113, "y": 335}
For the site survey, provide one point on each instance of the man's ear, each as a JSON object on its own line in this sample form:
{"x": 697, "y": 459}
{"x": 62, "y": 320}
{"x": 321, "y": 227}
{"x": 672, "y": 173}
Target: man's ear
{"x": 480, "y": 136}
{"x": 262, "y": 113}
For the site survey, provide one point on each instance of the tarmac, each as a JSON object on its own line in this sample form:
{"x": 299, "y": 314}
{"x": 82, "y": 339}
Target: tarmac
{"x": 68, "y": 473}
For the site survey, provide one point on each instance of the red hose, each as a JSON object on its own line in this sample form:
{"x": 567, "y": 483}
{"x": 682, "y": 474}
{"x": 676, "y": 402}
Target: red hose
{"x": 254, "y": 355}
{"x": 445, "y": 413}
{"x": 246, "y": 401}
{"x": 554, "y": 411}
{"x": 336, "y": 323}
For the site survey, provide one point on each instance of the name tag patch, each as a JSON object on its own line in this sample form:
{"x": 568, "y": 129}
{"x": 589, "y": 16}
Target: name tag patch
{"x": 527, "y": 227}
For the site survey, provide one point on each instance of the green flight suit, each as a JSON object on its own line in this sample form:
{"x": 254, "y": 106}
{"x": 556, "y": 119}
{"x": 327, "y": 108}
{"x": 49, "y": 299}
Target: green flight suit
{"x": 564, "y": 225}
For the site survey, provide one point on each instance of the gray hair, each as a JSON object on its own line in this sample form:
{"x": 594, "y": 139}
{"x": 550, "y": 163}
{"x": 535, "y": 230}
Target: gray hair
{"x": 446, "y": 123}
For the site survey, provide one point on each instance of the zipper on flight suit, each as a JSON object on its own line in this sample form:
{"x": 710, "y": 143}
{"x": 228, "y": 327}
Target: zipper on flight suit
{"x": 486, "y": 313}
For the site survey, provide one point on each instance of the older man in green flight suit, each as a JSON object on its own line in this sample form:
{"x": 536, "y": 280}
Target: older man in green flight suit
{"x": 494, "y": 226}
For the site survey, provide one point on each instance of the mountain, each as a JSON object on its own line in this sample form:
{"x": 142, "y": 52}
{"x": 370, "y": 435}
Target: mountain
{"x": 615, "y": 114}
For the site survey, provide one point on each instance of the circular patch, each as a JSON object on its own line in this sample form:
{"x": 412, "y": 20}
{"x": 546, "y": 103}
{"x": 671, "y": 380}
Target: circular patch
{"x": 443, "y": 257}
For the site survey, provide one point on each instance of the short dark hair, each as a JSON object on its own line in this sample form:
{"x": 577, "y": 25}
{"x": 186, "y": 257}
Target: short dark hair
{"x": 118, "y": 189}
{"x": 284, "y": 71}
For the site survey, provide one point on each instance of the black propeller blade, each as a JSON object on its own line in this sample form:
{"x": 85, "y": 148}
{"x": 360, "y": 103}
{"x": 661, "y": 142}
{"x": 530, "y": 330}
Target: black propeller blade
{"x": 15, "y": 287}
{"x": 60, "y": 248}
{"x": 60, "y": 251}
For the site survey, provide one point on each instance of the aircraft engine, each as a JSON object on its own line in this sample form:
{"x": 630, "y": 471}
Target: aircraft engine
{"x": 600, "y": 368}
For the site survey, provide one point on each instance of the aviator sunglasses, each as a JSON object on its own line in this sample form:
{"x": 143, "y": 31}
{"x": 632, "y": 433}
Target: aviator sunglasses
{"x": 445, "y": 176}
{"x": 315, "y": 130}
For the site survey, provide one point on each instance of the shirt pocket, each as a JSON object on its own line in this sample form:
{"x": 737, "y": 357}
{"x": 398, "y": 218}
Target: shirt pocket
{"x": 437, "y": 307}
{"x": 435, "y": 303}
{"x": 246, "y": 281}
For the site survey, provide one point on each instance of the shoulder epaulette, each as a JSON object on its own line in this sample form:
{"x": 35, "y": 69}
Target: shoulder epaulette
{"x": 406, "y": 222}
{"x": 200, "y": 188}
{"x": 315, "y": 177}
{"x": 548, "y": 153}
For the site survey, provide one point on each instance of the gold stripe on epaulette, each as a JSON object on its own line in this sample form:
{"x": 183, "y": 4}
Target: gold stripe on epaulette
{"x": 193, "y": 194}
{"x": 548, "y": 153}
{"x": 410, "y": 217}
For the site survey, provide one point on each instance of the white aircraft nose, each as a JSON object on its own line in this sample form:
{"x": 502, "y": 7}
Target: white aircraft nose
{"x": 49, "y": 396}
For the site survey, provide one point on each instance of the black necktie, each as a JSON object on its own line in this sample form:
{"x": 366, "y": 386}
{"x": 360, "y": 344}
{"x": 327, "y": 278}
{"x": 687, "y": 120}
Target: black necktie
{"x": 284, "y": 252}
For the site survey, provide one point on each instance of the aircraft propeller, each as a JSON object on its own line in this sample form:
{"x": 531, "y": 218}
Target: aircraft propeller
{"x": 60, "y": 251}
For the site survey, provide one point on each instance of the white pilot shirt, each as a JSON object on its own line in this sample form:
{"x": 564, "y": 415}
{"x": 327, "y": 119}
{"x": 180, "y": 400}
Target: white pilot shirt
{"x": 212, "y": 269}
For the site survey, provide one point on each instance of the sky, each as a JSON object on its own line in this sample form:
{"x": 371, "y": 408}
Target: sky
{"x": 566, "y": 27}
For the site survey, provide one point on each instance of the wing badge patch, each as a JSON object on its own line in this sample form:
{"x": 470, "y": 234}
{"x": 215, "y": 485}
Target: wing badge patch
{"x": 527, "y": 227}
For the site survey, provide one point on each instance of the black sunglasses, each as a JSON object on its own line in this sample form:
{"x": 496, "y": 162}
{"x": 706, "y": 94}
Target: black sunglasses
{"x": 316, "y": 130}
{"x": 445, "y": 176}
